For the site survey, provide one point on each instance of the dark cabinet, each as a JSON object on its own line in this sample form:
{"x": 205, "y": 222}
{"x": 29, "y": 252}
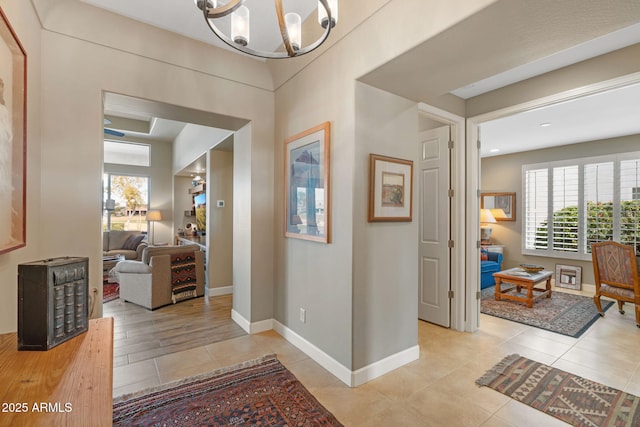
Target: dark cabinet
{"x": 52, "y": 301}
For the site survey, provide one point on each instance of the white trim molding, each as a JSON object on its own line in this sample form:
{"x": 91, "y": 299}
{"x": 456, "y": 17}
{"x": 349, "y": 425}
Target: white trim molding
{"x": 344, "y": 374}
{"x": 384, "y": 366}
{"x": 251, "y": 327}
{"x": 222, "y": 290}
{"x": 462, "y": 295}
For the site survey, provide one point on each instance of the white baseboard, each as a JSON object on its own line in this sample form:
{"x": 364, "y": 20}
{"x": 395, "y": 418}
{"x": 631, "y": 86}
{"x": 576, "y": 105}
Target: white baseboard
{"x": 241, "y": 321}
{"x": 222, "y": 290}
{"x": 344, "y": 374}
{"x": 251, "y": 328}
{"x": 350, "y": 378}
{"x": 319, "y": 356}
{"x": 384, "y": 366}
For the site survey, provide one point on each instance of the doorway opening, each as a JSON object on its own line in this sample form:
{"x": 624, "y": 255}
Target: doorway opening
{"x": 478, "y": 131}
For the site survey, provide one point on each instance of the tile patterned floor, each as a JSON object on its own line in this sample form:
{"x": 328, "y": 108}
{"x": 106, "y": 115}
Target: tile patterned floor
{"x": 436, "y": 390}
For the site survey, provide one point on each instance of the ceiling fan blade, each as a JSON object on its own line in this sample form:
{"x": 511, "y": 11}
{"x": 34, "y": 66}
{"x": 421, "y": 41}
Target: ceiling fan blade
{"x": 113, "y": 132}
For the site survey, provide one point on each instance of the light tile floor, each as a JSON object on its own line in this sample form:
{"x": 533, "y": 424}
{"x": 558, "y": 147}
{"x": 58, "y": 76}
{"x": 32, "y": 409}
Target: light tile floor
{"x": 436, "y": 390}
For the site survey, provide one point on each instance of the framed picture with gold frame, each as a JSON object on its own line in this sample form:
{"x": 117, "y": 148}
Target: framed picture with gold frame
{"x": 390, "y": 189}
{"x": 307, "y": 185}
{"x": 13, "y": 91}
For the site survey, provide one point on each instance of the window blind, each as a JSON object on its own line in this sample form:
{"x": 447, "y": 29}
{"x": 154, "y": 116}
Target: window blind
{"x": 598, "y": 202}
{"x": 570, "y": 204}
{"x": 630, "y": 202}
{"x": 536, "y": 208}
{"x": 565, "y": 208}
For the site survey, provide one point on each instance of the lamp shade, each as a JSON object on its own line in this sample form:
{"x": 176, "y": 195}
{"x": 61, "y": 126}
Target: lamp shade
{"x": 486, "y": 216}
{"x": 154, "y": 216}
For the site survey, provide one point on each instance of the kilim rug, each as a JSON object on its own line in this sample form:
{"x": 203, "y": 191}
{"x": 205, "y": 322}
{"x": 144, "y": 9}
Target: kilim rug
{"x": 570, "y": 398}
{"x": 563, "y": 313}
{"x": 260, "y": 392}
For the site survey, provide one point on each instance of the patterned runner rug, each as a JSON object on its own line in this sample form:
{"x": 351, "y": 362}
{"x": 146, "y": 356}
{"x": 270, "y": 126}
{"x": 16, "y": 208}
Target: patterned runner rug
{"x": 570, "y": 398}
{"x": 260, "y": 392}
{"x": 563, "y": 313}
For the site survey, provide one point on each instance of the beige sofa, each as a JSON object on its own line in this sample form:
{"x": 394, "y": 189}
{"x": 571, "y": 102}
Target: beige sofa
{"x": 148, "y": 282}
{"x": 127, "y": 243}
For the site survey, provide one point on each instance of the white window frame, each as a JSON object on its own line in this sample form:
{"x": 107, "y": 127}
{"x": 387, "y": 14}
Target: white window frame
{"x": 581, "y": 253}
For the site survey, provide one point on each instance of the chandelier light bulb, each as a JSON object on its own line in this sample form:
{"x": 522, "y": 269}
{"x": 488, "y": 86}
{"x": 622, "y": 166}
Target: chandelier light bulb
{"x": 240, "y": 26}
{"x": 323, "y": 18}
{"x": 294, "y": 29}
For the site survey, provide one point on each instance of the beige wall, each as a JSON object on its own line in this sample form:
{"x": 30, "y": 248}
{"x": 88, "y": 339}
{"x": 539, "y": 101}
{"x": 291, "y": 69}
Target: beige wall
{"x": 504, "y": 174}
{"x": 220, "y": 219}
{"x": 318, "y": 277}
{"x": 77, "y": 72}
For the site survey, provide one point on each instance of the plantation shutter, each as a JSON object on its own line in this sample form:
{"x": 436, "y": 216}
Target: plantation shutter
{"x": 536, "y": 210}
{"x": 565, "y": 208}
{"x": 598, "y": 202}
{"x": 630, "y": 202}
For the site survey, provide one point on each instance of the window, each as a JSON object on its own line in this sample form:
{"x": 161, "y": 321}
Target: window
{"x": 570, "y": 204}
{"x": 126, "y": 200}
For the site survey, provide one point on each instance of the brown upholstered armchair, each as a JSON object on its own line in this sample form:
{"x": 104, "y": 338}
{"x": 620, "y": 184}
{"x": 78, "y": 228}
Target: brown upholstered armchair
{"x": 616, "y": 274}
{"x": 161, "y": 276}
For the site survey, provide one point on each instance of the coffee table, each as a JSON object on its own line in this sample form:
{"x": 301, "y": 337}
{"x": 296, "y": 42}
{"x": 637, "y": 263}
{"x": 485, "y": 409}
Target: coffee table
{"x": 522, "y": 279}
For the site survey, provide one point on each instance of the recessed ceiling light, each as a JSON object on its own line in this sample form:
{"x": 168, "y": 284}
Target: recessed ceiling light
{"x": 494, "y": 150}
{"x": 545, "y": 125}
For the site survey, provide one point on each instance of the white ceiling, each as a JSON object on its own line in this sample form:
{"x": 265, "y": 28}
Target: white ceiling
{"x": 183, "y": 17}
{"x": 606, "y": 115}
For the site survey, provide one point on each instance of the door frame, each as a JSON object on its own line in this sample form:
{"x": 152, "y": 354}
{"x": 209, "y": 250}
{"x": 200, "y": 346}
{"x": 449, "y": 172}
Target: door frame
{"x": 473, "y": 169}
{"x": 457, "y": 214}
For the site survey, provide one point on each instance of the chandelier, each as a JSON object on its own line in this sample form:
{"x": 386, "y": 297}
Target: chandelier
{"x": 273, "y": 34}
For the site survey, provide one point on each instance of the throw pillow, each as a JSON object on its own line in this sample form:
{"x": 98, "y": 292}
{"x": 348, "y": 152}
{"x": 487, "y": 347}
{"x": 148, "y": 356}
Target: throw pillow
{"x": 484, "y": 255}
{"x": 132, "y": 242}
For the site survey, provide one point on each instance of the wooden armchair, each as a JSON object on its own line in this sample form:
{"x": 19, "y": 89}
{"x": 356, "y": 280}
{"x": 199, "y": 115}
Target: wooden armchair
{"x": 616, "y": 274}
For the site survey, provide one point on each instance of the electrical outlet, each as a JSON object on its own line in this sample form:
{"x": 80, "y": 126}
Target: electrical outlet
{"x": 303, "y": 315}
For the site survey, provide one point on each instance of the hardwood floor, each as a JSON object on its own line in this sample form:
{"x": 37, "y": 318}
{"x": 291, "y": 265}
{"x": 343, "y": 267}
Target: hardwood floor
{"x": 141, "y": 334}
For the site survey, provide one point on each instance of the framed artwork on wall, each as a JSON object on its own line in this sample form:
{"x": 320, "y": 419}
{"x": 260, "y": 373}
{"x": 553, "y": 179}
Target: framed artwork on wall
{"x": 390, "y": 189}
{"x": 13, "y": 88}
{"x": 307, "y": 185}
{"x": 502, "y": 205}
{"x": 569, "y": 276}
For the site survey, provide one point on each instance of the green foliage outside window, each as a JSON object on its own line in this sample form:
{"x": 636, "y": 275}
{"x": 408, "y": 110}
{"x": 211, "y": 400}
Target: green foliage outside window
{"x": 599, "y": 226}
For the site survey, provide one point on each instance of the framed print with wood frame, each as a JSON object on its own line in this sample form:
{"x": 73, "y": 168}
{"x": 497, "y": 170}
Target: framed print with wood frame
{"x": 501, "y": 205}
{"x": 307, "y": 185}
{"x": 569, "y": 276}
{"x": 390, "y": 189}
{"x": 13, "y": 90}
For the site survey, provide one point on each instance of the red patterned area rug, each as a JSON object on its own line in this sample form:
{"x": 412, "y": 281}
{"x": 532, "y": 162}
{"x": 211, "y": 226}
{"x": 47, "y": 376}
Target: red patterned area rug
{"x": 563, "y": 313}
{"x": 260, "y": 392}
{"x": 570, "y": 398}
{"x": 110, "y": 291}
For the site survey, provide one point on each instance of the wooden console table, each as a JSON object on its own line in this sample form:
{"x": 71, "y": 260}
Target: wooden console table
{"x": 69, "y": 385}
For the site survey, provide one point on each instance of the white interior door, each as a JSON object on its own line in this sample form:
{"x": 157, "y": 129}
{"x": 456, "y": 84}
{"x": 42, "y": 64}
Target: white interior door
{"x": 434, "y": 251}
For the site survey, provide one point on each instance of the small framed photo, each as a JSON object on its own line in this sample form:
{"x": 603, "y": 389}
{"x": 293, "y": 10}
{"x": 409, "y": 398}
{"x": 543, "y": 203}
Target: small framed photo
{"x": 307, "y": 201}
{"x": 569, "y": 276}
{"x": 390, "y": 189}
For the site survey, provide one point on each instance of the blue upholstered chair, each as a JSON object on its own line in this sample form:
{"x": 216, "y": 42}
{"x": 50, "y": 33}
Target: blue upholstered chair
{"x": 488, "y": 267}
